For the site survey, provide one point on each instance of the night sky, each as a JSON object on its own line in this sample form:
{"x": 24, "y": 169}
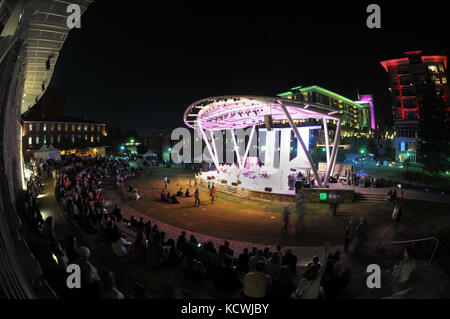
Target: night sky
{"x": 138, "y": 67}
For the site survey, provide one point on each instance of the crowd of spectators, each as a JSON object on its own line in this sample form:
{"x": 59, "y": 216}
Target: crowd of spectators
{"x": 254, "y": 273}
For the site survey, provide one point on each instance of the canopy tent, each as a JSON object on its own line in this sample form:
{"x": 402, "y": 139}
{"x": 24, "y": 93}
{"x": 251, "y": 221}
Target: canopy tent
{"x": 150, "y": 154}
{"x": 48, "y": 152}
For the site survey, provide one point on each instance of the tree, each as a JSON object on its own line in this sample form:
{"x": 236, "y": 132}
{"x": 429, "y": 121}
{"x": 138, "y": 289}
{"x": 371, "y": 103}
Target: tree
{"x": 141, "y": 149}
{"x": 433, "y": 144}
{"x": 407, "y": 164}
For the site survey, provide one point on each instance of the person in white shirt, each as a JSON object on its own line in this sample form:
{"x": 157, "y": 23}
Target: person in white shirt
{"x": 309, "y": 285}
{"x": 120, "y": 246}
{"x": 108, "y": 287}
{"x": 256, "y": 283}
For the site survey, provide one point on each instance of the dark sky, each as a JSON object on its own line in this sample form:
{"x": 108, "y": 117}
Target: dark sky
{"x": 138, "y": 67}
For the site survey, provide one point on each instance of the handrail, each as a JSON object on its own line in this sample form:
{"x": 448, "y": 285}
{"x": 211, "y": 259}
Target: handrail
{"x": 417, "y": 240}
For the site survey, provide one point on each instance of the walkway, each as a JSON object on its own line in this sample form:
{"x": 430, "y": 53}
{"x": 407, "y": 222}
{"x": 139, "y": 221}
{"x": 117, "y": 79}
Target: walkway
{"x": 407, "y": 193}
{"x": 304, "y": 254}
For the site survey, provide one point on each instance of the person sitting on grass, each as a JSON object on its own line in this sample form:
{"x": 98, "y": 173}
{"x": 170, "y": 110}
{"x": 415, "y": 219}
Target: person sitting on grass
{"x": 180, "y": 192}
{"x": 130, "y": 188}
{"x": 163, "y": 195}
{"x": 175, "y": 200}
{"x": 136, "y": 194}
{"x": 187, "y": 194}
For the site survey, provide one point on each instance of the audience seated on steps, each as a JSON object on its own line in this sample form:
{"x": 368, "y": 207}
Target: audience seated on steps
{"x": 120, "y": 246}
{"x": 256, "y": 283}
{"x": 108, "y": 286}
{"x": 309, "y": 285}
{"x": 402, "y": 271}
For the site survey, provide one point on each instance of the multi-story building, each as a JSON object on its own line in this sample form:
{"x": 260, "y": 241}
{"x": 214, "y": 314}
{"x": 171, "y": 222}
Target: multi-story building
{"x": 357, "y": 116}
{"x": 44, "y": 123}
{"x": 411, "y": 78}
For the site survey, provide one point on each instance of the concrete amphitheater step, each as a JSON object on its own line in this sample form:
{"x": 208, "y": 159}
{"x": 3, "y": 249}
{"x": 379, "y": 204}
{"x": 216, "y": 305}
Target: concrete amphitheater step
{"x": 370, "y": 198}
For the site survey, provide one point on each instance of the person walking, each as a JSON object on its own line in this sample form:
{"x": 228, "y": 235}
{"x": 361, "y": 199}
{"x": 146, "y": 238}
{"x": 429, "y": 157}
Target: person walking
{"x": 212, "y": 193}
{"x": 286, "y": 214}
{"x": 348, "y": 235}
{"x": 396, "y": 215}
{"x": 197, "y": 198}
{"x": 360, "y": 235}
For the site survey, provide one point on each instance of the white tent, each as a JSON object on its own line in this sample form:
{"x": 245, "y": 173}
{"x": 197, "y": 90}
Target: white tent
{"x": 150, "y": 154}
{"x": 48, "y": 152}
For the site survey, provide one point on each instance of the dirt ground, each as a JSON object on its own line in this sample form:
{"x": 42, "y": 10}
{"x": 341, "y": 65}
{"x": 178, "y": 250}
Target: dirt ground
{"x": 261, "y": 222}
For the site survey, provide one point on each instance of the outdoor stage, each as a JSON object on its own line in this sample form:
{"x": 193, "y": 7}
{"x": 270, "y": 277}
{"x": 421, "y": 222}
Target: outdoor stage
{"x": 257, "y": 187}
{"x": 275, "y": 160}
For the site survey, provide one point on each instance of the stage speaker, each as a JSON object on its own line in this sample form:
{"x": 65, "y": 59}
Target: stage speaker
{"x": 268, "y": 122}
{"x": 268, "y": 189}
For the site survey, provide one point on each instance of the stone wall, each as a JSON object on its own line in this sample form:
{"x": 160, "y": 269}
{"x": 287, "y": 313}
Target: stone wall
{"x": 311, "y": 195}
{"x": 344, "y": 195}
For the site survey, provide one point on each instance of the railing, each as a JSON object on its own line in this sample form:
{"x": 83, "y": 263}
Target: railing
{"x": 419, "y": 240}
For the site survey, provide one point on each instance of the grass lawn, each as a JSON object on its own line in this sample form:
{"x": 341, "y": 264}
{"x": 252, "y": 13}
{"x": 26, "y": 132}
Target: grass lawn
{"x": 236, "y": 218}
{"x": 413, "y": 174}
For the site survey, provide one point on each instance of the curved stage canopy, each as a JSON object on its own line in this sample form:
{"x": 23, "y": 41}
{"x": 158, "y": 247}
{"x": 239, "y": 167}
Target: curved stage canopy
{"x": 233, "y": 112}
{"x": 238, "y": 112}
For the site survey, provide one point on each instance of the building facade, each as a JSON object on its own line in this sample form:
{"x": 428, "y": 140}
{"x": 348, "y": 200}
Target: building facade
{"x": 357, "y": 116}
{"x": 67, "y": 134}
{"x": 411, "y": 78}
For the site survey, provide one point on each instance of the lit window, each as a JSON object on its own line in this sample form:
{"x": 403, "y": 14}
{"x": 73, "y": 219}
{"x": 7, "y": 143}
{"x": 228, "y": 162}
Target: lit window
{"x": 92, "y": 139}
{"x": 59, "y": 139}
{"x": 66, "y": 127}
{"x": 73, "y": 138}
{"x": 432, "y": 68}
{"x": 59, "y": 127}
{"x": 45, "y": 139}
{"x": 79, "y": 127}
{"x": 73, "y": 127}
{"x": 44, "y": 128}
{"x": 85, "y": 127}
{"x": 85, "y": 137}
{"x": 37, "y": 127}
{"x": 30, "y": 127}
{"x": 51, "y": 139}
{"x": 30, "y": 140}
{"x": 37, "y": 139}
{"x": 92, "y": 128}
{"x": 52, "y": 127}
{"x": 98, "y": 139}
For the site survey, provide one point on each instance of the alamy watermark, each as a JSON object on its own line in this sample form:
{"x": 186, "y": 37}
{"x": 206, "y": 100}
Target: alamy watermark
{"x": 374, "y": 19}
{"x": 74, "y": 18}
